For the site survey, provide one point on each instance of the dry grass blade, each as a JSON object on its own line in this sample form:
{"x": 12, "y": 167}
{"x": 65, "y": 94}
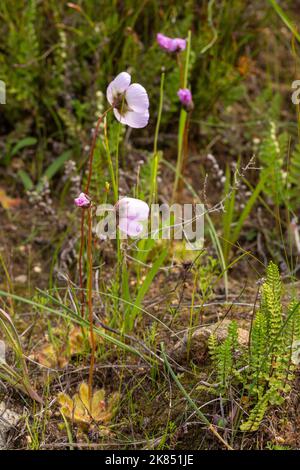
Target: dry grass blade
{"x": 19, "y": 379}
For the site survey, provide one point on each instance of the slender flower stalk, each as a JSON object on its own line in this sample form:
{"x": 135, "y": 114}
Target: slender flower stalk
{"x": 185, "y": 150}
{"x": 155, "y": 158}
{"x": 130, "y": 105}
{"x": 110, "y": 164}
{"x": 181, "y": 70}
{"x": 183, "y": 124}
{"x": 186, "y": 99}
{"x": 90, "y": 303}
{"x": 80, "y": 203}
{"x": 90, "y": 256}
{"x": 84, "y": 202}
{"x": 80, "y": 262}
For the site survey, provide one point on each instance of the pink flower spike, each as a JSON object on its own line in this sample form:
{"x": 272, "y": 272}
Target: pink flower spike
{"x": 82, "y": 201}
{"x": 186, "y": 99}
{"x": 130, "y": 102}
{"x": 170, "y": 44}
{"x": 131, "y": 213}
{"x": 180, "y": 44}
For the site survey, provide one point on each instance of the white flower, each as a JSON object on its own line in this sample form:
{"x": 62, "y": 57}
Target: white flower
{"x": 132, "y": 215}
{"x": 130, "y": 102}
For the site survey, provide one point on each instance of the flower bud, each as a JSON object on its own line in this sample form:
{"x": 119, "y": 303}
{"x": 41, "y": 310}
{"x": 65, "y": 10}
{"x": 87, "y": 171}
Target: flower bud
{"x": 185, "y": 97}
{"x": 82, "y": 201}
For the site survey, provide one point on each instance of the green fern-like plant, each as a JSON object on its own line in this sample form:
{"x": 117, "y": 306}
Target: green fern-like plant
{"x": 280, "y": 160}
{"x": 293, "y": 182}
{"x": 257, "y": 361}
{"x": 223, "y": 355}
{"x": 266, "y": 370}
{"x": 271, "y": 158}
{"x": 22, "y": 47}
{"x": 271, "y": 295}
{"x": 257, "y": 413}
{"x": 273, "y": 333}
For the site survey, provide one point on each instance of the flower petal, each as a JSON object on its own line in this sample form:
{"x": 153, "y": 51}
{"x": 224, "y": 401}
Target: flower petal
{"x": 82, "y": 200}
{"x": 122, "y": 82}
{"x": 133, "y": 228}
{"x": 134, "y": 209}
{"x": 109, "y": 93}
{"x": 179, "y": 44}
{"x": 118, "y": 85}
{"x": 119, "y": 117}
{"x": 137, "y": 98}
{"x": 164, "y": 41}
{"x": 135, "y": 120}
{"x": 170, "y": 44}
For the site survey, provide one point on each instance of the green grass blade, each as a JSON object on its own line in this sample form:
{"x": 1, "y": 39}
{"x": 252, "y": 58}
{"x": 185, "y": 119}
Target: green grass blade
{"x": 285, "y": 18}
{"x": 55, "y": 166}
{"x": 26, "y": 180}
{"x": 247, "y": 209}
{"x": 146, "y": 285}
{"x": 26, "y": 142}
{"x": 79, "y": 320}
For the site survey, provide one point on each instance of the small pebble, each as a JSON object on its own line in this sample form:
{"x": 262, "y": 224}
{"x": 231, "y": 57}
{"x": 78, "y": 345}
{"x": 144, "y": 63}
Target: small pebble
{"x": 21, "y": 279}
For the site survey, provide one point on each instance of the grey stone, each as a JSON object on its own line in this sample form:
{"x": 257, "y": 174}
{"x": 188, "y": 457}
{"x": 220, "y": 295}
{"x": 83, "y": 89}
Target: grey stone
{"x": 198, "y": 347}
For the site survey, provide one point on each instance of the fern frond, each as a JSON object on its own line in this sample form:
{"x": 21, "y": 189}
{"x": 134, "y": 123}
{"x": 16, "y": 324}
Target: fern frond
{"x": 272, "y": 293}
{"x": 293, "y": 181}
{"x": 270, "y": 157}
{"x": 257, "y": 413}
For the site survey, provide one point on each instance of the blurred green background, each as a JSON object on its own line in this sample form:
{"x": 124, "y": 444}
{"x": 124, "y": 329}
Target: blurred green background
{"x": 57, "y": 59}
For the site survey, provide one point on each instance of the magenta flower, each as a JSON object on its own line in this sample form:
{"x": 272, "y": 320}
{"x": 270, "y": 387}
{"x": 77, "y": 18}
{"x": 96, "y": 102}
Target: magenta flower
{"x": 131, "y": 213}
{"x": 82, "y": 201}
{"x": 170, "y": 44}
{"x": 186, "y": 99}
{"x": 130, "y": 102}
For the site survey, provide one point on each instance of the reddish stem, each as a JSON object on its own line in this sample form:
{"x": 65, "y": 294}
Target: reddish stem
{"x": 80, "y": 261}
{"x": 90, "y": 256}
{"x": 91, "y": 158}
{"x": 90, "y": 302}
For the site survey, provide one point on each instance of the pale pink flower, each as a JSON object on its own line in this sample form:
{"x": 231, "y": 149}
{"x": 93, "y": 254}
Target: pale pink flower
{"x": 186, "y": 99}
{"x": 170, "y": 44}
{"x": 130, "y": 102}
{"x": 82, "y": 201}
{"x": 132, "y": 212}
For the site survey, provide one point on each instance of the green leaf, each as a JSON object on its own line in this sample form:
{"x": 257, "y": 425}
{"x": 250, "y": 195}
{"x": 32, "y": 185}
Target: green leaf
{"x": 55, "y": 167}
{"x": 146, "y": 285}
{"x": 26, "y": 142}
{"x": 285, "y": 18}
{"x": 26, "y": 180}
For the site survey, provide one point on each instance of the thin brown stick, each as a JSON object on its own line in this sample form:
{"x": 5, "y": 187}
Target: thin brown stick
{"x": 80, "y": 261}
{"x": 90, "y": 256}
{"x": 218, "y": 436}
{"x": 90, "y": 302}
{"x": 91, "y": 158}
